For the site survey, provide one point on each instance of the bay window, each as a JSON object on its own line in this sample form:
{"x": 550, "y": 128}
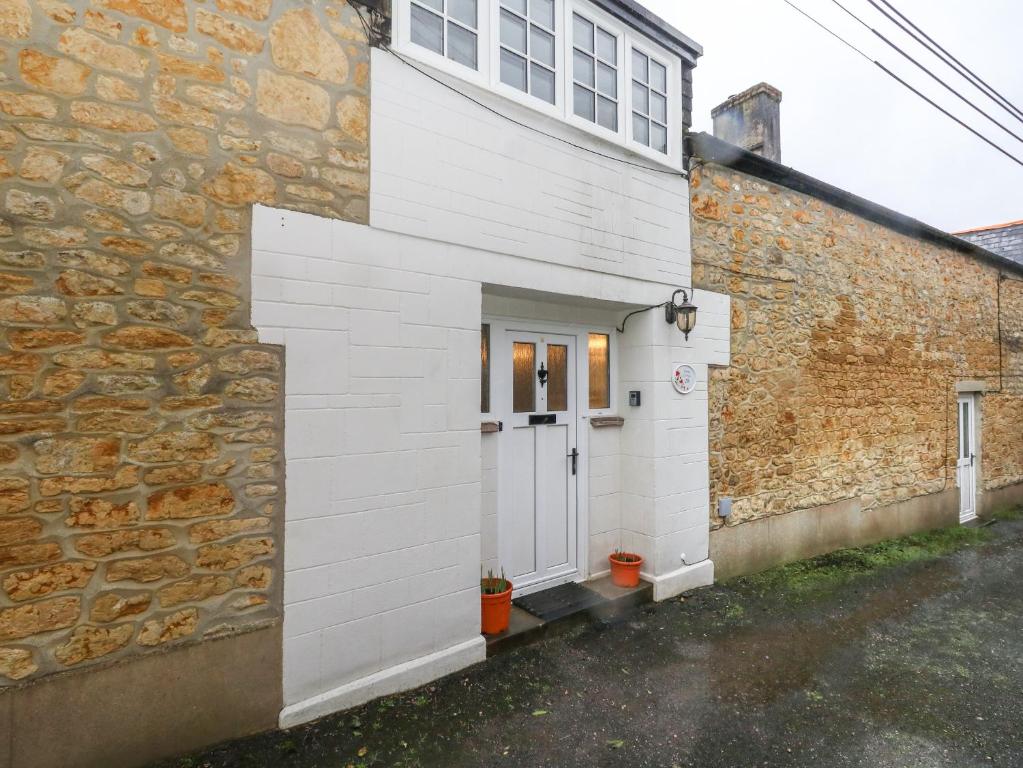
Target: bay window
{"x": 449, "y": 28}
{"x": 527, "y": 42}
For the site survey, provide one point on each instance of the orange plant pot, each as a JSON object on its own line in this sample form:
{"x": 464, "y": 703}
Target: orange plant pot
{"x": 495, "y": 611}
{"x": 625, "y": 574}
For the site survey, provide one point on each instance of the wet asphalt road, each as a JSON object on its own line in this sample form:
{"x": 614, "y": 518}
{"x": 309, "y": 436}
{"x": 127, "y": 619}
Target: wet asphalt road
{"x": 919, "y": 665}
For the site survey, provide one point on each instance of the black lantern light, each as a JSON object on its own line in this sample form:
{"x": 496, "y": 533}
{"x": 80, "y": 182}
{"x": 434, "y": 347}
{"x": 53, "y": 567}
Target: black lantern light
{"x": 683, "y": 315}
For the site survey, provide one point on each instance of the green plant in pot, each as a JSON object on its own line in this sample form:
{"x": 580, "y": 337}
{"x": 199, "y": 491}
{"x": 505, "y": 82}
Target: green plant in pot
{"x": 495, "y": 603}
{"x": 625, "y": 568}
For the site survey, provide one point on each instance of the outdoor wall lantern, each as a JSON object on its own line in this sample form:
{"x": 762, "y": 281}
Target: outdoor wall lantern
{"x": 683, "y": 315}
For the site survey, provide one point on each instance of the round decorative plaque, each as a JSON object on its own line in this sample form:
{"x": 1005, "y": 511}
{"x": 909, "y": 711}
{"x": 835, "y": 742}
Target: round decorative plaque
{"x": 684, "y": 379}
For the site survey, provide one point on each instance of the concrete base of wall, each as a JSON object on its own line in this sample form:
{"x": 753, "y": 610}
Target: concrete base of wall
{"x": 149, "y": 708}
{"x": 762, "y": 544}
{"x": 685, "y": 578}
{"x": 402, "y": 677}
{"x": 1001, "y": 498}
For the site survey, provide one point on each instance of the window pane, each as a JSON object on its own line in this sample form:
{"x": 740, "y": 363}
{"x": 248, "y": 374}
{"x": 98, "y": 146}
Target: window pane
{"x": 600, "y": 371}
{"x": 583, "y": 68}
{"x": 658, "y": 108}
{"x": 607, "y": 46}
{"x": 639, "y": 66}
{"x": 640, "y": 98}
{"x": 427, "y": 30}
{"x": 485, "y": 368}
{"x": 542, "y": 12}
{"x": 461, "y": 45}
{"x": 640, "y": 129}
{"x": 542, "y": 85}
{"x": 541, "y": 46}
{"x": 557, "y": 377}
{"x": 659, "y": 137}
{"x": 437, "y": 5}
{"x": 607, "y": 80}
{"x": 658, "y": 77}
{"x": 463, "y": 11}
{"x": 516, "y": 5}
{"x": 583, "y": 33}
{"x": 513, "y": 70}
{"x": 513, "y": 31}
{"x": 607, "y": 113}
{"x": 524, "y": 377}
{"x": 583, "y": 100}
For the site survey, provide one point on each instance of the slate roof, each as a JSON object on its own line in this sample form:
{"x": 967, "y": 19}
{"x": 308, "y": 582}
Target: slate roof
{"x": 1004, "y": 239}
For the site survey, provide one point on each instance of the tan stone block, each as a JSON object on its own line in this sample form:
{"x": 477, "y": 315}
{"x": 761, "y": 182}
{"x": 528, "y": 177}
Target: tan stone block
{"x": 175, "y": 65}
{"x": 214, "y": 530}
{"x": 90, "y": 313}
{"x": 261, "y": 472}
{"x": 261, "y": 490}
{"x": 30, "y": 407}
{"x": 31, "y": 426}
{"x": 191, "y": 403}
{"x": 6, "y": 172}
{"x": 17, "y": 663}
{"x": 105, "y": 544}
{"x": 293, "y": 101}
{"x": 177, "y": 625}
{"x": 232, "y": 34}
{"x": 52, "y": 73}
{"x": 179, "y": 473}
{"x": 121, "y": 384}
{"x": 194, "y": 381}
{"x": 111, "y": 88}
{"x": 249, "y": 360}
{"x": 75, "y": 283}
{"x": 211, "y": 317}
{"x": 100, "y": 423}
{"x": 10, "y": 283}
{"x": 15, "y": 19}
{"x": 263, "y": 454}
{"x": 299, "y": 44}
{"x": 100, "y": 54}
{"x": 145, "y": 36}
{"x": 226, "y": 337}
{"x": 27, "y": 105}
{"x": 30, "y": 585}
{"x": 191, "y": 501}
{"x": 35, "y": 618}
{"x": 19, "y": 530}
{"x": 212, "y": 298}
{"x": 254, "y": 577}
{"x": 175, "y": 111}
{"x": 112, "y": 117}
{"x": 76, "y": 455}
{"x": 117, "y": 171}
{"x": 20, "y": 386}
{"x": 232, "y": 419}
{"x": 105, "y": 221}
{"x": 101, "y": 513}
{"x": 348, "y": 180}
{"x": 253, "y": 9}
{"x": 194, "y": 590}
{"x": 190, "y": 141}
{"x": 148, "y": 287}
{"x": 62, "y": 383}
{"x": 8, "y": 455}
{"x": 221, "y": 469}
{"x": 353, "y": 117}
{"x": 84, "y": 187}
{"x": 111, "y": 606}
{"x": 169, "y": 203}
{"x": 94, "y": 403}
{"x": 249, "y": 601}
{"x": 144, "y": 337}
{"x": 97, "y": 359}
{"x": 127, "y": 246}
{"x": 215, "y": 99}
{"x": 84, "y": 258}
{"x": 227, "y": 557}
{"x": 170, "y": 14}
{"x": 100, "y": 22}
{"x": 306, "y": 192}
{"x": 162, "y": 232}
{"x": 286, "y": 166}
{"x": 43, "y": 338}
{"x": 29, "y": 554}
{"x": 235, "y": 185}
{"x": 148, "y": 569}
{"x": 29, "y": 206}
{"x": 167, "y": 272}
{"x": 126, "y": 477}
{"x": 32, "y": 310}
{"x": 152, "y": 311}
{"x": 88, "y": 643}
{"x": 257, "y": 390}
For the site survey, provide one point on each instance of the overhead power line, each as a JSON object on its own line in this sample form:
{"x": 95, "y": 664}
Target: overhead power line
{"x": 955, "y": 63}
{"x": 906, "y": 85}
{"x": 929, "y": 73}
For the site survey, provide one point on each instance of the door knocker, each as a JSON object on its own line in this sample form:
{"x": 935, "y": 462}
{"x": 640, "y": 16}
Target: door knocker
{"x": 542, "y": 375}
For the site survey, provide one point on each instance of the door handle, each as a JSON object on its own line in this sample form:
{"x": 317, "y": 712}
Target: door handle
{"x": 972, "y": 457}
{"x": 574, "y": 456}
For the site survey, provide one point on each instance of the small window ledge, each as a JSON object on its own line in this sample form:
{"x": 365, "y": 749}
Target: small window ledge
{"x": 599, "y": 422}
{"x": 490, "y": 427}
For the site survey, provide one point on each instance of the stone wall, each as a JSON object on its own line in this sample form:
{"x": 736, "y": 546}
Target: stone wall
{"x": 848, "y": 341}
{"x": 140, "y": 422}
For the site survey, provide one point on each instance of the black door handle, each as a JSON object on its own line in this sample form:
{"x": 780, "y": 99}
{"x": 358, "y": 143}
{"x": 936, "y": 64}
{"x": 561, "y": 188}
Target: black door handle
{"x": 574, "y": 456}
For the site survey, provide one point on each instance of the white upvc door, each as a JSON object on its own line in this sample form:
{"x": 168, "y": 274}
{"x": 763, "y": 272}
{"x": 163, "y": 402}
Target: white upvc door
{"x": 966, "y": 464}
{"x": 534, "y": 378}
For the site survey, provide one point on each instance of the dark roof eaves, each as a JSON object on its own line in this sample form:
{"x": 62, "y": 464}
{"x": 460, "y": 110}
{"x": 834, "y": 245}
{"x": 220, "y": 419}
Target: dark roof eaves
{"x": 713, "y": 150}
{"x": 654, "y": 27}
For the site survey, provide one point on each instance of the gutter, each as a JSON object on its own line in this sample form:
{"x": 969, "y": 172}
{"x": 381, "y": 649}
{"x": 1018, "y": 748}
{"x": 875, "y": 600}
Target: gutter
{"x": 654, "y": 27}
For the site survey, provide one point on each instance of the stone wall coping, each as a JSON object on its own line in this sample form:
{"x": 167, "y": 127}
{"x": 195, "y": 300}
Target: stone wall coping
{"x": 600, "y": 422}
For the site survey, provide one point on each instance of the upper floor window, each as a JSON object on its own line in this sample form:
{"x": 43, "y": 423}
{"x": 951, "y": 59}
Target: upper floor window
{"x": 528, "y": 61}
{"x": 649, "y": 102}
{"x": 568, "y": 59}
{"x": 447, "y": 27}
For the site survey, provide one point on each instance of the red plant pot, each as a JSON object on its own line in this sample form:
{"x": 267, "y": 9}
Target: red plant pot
{"x": 623, "y": 573}
{"x": 495, "y": 611}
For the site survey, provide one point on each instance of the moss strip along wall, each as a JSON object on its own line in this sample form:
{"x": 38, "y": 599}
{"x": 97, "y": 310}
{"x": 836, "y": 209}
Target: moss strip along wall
{"x": 140, "y": 424}
{"x": 848, "y": 340}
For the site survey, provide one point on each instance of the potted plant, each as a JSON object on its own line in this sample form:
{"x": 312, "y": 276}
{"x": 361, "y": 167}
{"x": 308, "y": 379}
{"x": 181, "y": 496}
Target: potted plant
{"x": 495, "y": 603}
{"x": 625, "y": 568}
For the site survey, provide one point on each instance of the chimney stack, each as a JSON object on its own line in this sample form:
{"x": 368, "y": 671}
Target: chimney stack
{"x": 752, "y": 120}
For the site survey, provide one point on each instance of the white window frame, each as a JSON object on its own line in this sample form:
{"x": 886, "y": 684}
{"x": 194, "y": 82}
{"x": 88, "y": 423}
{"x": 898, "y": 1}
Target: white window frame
{"x": 488, "y": 76}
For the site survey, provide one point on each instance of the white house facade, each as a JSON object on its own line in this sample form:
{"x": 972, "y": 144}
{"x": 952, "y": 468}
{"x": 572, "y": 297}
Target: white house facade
{"x": 458, "y": 391}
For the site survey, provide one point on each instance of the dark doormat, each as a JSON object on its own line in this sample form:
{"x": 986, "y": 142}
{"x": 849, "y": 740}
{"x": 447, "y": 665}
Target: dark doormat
{"x": 559, "y": 602}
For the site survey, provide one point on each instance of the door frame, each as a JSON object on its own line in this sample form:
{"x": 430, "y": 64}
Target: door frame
{"x": 500, "y": 325}
{"x": 971, "y": 399}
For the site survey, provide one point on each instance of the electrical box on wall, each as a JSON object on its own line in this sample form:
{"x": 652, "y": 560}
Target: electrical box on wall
{"x": 724, "y": 506}
{"x": 634, "y": 398}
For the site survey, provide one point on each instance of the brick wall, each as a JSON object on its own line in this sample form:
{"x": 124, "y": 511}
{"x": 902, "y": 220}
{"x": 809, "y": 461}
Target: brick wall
{"x": 848, "y": 340}
{"x": 140, "y": 421}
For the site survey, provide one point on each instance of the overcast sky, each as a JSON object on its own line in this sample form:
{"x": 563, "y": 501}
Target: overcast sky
{"x": 845, "y": 122}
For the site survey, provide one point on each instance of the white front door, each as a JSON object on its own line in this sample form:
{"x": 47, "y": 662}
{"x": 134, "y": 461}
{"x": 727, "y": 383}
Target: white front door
{"x": 966, "y": 464}
{"x": 535, "y": 378}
